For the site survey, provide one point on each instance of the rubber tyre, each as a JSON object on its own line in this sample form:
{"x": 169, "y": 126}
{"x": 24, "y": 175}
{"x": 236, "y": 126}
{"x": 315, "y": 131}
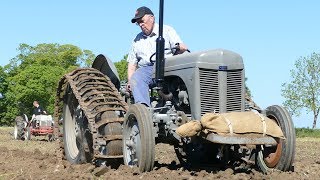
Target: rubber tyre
{"x": 27, "y": 135}
{"x": 51, "y": 137}
{"x": 19, "y": 128}
{"x": 15, "y": 131}
{"x": 73, "y": 132}
{"x": 278, "y": 157}
{"x": 138, "y": 131}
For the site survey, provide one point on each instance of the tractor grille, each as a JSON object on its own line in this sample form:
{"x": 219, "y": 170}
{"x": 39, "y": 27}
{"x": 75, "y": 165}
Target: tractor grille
{"x": 45, "y": 123}
{"x": 209, "y": 91}
{"x": 234, "y": 90}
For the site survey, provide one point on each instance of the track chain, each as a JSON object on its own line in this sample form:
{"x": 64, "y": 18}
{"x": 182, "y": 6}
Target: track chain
{"x": 96, "y": 95}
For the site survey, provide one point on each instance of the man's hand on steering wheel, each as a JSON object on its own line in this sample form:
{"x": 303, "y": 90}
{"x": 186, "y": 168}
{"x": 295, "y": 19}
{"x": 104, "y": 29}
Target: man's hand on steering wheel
{"x": 180, "y": 48}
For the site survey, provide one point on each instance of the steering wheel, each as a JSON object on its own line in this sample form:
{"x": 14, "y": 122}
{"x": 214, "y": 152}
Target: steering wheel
{"x": 175, "y": 51}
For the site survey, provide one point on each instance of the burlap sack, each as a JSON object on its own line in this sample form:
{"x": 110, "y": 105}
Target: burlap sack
{"x": 189, "y": 129}
{"x": 241, "y": 123}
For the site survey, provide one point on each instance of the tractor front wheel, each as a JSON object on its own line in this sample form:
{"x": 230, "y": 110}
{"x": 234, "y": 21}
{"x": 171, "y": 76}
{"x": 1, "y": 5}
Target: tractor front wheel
{"x": 138, "y": 138}
{"x": 27, "y": 135}
{"x": 51, "y": 137}
{"x": 281, "y": 156}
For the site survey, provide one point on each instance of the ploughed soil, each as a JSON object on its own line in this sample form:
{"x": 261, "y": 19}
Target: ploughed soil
{"x": 40, "y": 159}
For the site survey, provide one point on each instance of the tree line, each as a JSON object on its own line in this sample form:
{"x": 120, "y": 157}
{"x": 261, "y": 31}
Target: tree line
{"x": 303, "y": 91}
{"x": 33, "y": 75}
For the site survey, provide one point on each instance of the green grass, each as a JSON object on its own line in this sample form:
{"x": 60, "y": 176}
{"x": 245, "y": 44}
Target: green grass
{"x": 306, "y": 132}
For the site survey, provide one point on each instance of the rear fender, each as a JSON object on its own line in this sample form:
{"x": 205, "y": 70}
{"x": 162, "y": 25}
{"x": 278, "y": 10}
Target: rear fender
{"x": 105, "y": 65}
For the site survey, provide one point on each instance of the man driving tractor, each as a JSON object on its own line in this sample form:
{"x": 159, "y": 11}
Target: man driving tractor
{"x": 140, "y": 68}
{"x": 38, "y": 110}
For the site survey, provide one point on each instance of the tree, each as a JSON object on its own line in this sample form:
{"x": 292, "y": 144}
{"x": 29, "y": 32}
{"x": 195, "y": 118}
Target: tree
{"x": 122, "y": 68}
{"x": 248, "y": 92}
{"x": 34, "y": 74}
{"x": 3, "y": 89}
{"x": 304, "y": 89}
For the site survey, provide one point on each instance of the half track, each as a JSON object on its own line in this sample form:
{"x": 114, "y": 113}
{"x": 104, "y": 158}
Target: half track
{"x": 103, "y": 108}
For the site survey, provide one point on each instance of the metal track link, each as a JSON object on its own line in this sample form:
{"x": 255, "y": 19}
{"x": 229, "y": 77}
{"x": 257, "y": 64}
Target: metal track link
{"x": 96, "y": 95}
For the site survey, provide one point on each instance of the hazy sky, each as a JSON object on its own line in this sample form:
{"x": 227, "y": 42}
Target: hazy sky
{"x": 269, "y": 35}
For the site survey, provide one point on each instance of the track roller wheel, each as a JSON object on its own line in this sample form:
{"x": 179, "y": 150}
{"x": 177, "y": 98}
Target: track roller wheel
{"x": 281, "y": 156}
{"x": 139, "y": 140}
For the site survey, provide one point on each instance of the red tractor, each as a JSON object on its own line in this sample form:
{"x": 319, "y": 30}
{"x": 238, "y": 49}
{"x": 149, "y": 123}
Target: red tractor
{"x": 41, "y": 125}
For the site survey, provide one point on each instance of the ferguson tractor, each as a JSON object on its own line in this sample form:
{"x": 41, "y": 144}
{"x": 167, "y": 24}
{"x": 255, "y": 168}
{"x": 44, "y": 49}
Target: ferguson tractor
{"x": 41, "y": 125}
{"x": 99, "y": 125}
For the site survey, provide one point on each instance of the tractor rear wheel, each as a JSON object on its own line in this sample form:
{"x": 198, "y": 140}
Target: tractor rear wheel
{"x": 138, "y": 138}
{"x": 281, "y": 156}
{"x": 19, "y": 128}
{"x": 92, "y": 111}
{"x": 74, "y": 127}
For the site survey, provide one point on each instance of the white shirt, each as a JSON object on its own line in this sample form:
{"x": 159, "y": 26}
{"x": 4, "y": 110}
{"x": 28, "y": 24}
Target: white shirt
{"x": 144, "y": 46}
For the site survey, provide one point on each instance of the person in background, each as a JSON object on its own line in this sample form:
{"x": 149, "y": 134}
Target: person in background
{"x": 38, "y": 110}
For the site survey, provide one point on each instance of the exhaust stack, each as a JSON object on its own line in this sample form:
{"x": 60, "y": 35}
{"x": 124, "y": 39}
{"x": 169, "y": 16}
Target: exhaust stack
{"x": 160, "y": 50}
